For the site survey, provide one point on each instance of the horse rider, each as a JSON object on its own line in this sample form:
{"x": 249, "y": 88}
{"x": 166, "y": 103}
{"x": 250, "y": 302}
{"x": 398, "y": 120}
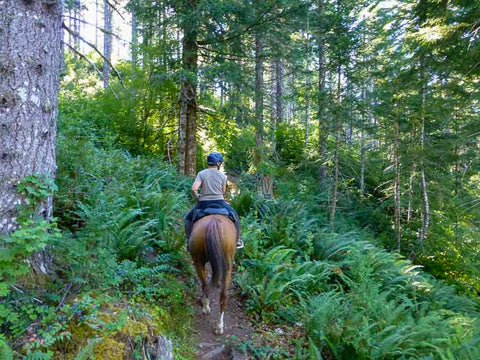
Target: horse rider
{"x": 213, "y": 185}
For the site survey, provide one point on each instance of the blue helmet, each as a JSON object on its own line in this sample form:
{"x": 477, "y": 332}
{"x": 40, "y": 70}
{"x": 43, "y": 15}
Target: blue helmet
{"x": 214, "y": 158}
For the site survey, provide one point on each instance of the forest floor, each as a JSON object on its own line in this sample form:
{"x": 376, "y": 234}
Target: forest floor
{"x": 238, "y": 327}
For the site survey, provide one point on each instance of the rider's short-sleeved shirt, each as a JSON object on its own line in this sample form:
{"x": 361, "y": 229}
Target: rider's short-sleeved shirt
{"x": 213, "y": 181}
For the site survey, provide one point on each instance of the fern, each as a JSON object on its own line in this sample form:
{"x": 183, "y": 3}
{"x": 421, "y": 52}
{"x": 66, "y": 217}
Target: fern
{"x": 5, "y": 352}
{"x": 86, "y": 352}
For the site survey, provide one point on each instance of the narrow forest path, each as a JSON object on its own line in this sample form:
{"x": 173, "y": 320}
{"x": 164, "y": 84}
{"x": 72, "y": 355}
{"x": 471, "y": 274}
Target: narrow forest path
{"x": 238, "y": 327}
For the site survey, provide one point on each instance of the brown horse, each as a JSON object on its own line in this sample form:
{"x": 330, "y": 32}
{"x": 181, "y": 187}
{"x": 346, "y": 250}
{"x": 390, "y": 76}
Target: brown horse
{"x": 213, "y": 240}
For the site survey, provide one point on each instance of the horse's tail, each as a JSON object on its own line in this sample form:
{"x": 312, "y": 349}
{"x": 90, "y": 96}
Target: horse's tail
{"x": 215, "y": 250}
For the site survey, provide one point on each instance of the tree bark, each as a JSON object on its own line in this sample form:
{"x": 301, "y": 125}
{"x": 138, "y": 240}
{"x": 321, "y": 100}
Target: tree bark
{"x": 188, "y": 93}
{"x": 30, "y": 60}
{"x": 107, "y": 43}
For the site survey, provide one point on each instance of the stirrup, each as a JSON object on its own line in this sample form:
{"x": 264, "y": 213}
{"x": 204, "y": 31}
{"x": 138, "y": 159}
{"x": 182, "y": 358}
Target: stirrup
{"x": 239, "y": 244}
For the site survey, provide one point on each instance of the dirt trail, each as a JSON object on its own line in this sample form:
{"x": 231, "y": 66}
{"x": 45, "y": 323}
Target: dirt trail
{"x": 237, "y": 327}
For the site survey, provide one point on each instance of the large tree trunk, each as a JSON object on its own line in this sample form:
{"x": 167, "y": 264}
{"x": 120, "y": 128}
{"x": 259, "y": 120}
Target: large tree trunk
{"x": 188, "y": 93}
{"x": 107, "y": 43}
{"x": 30, "y": 60}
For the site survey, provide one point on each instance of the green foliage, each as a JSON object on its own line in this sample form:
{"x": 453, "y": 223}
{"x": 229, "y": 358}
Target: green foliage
{"x": 351, "y": 298}
{"x": 5, "y": 352}
{"x": 34, "y": 234}
{"x": 290, "y": 142}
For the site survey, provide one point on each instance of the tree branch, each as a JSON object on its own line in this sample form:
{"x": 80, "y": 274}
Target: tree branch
{"x": 259, "y": 21}
{"x": 98, "y": 27}
{"x": 93, "y": 65}
{"x": 75, "y": 34}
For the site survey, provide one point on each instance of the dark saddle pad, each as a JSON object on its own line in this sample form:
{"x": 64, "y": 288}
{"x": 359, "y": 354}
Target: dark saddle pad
{"x": 213, "y": 210}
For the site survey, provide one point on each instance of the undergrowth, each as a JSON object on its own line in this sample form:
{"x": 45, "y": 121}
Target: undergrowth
{"x": 117, "y": 248}
{"x": 350, "y": 298}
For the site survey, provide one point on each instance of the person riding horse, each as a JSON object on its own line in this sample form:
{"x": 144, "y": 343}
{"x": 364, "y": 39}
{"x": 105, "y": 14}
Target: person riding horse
{"x": 213, "y": 185}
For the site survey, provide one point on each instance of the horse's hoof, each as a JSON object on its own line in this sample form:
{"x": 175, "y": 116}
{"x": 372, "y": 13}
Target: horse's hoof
{"x": 218, "y": 331}
{"x": 206, "y": 310}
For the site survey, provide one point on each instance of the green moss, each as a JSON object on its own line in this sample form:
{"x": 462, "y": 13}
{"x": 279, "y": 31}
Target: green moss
{"x": 110, "y": 349}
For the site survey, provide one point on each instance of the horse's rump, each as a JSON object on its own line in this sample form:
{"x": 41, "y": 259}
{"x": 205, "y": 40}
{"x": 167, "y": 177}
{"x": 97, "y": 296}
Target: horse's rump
{"x": 214, "y": 250}
{"x": 213, "y": 239}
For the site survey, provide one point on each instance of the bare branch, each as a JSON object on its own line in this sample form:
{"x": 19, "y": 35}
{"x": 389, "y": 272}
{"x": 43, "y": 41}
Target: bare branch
{"x": 114, "y": 8}
{"x": 99, "y": 28}
{"x": 92, "y": 64}
{"x": 75, "y": 34}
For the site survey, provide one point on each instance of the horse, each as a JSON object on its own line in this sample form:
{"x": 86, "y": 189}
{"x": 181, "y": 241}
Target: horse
{"x": 213, "y": 240}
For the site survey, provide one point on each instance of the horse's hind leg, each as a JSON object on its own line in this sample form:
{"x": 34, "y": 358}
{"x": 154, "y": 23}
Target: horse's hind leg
{"x": 223, "y": 299}
{"x": 202, "y": 274}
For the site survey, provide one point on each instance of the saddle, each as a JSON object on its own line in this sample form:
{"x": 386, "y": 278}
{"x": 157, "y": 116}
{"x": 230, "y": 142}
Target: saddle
{"x": 212, "y": 210}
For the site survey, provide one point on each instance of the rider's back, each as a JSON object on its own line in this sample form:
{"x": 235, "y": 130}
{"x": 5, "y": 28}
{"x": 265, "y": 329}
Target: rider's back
{"x": 213, "y": 182}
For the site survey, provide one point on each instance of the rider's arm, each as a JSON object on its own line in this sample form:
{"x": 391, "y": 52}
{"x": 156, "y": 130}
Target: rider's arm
{"x": 196, "y": 185}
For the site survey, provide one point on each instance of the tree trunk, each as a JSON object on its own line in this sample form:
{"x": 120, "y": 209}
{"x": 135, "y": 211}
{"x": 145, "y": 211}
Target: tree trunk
{"x": 107, "y": 43}
{"x": 371, "y": 116}
{"x": 30, "y": 60}
{"x": 96, "y": 22}
{"x": 259, "y": 95}
{"x": 273, "y": 106}
{"x": 398, "y": 209}
{"x": 333, "y": 204}
{"x": 410, "y": 195}
{"x": 76, "y": 28}
{"x": 422, "y": 16}
{"x": 134, "y": 46}
{"x": 423, "y": 183}
{"x": 188, "y": 92}
{"x": 348, "y": 103}
{"x": 265, "y": 186}
{"x": 307, "y": 109}
{"x": 307, "y": 88}
{"x": 362, "y": 139}
{"x": 279, "y": 90}
{"x": 322, "y": 126}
